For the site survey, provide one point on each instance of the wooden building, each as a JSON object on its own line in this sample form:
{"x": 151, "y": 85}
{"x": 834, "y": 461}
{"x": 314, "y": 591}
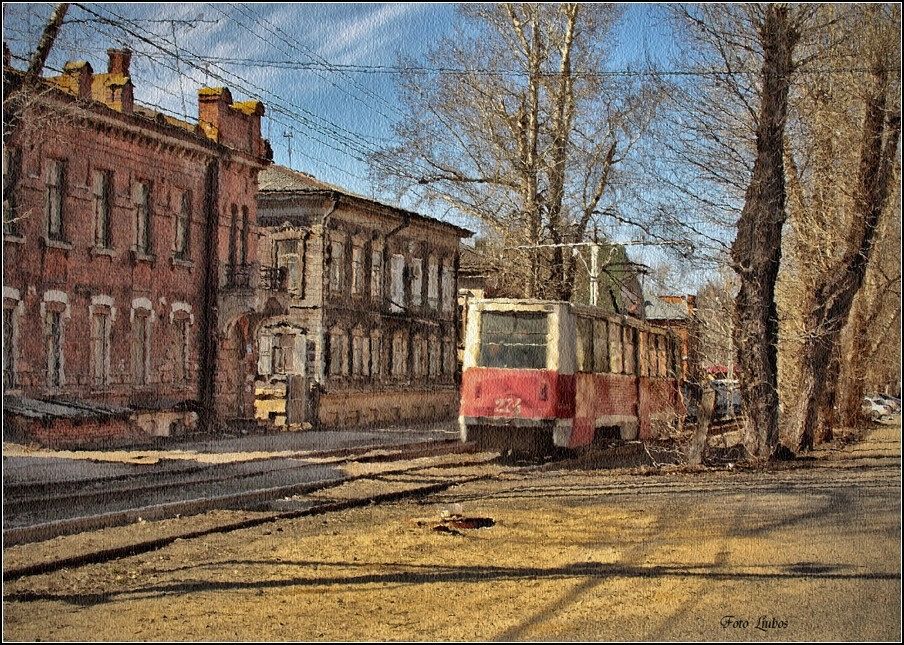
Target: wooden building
{"x": 360, "y": 301}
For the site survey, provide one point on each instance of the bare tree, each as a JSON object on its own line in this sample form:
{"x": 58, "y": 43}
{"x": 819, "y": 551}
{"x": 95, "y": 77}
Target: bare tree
{"x": 756, "y": 251}
{"x": 522, "y": 132}
{"x": 15, "y": 86}
{"x": 863, "y": 193}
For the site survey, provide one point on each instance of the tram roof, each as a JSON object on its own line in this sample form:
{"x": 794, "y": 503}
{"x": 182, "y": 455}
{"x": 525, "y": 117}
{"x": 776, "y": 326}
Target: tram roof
{"x": 597, "y": 312}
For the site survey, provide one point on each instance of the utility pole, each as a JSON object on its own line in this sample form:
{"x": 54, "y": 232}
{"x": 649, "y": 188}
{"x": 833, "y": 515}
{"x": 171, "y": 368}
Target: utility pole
{"x": 288, "y": 136}
{"x": 594, "y": 274}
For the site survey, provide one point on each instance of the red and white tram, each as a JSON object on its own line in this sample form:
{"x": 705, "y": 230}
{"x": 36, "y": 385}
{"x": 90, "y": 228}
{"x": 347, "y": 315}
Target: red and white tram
{"x": 538, "y": 374}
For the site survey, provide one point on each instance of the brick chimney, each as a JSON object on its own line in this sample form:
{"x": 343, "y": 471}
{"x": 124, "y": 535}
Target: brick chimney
{"x": 213, "y": 109}
{"x": 236, "y": 125}
{"x": 118, "y": 89}
{"x": 119, "y": 61}
{"x": 82, "y": 76}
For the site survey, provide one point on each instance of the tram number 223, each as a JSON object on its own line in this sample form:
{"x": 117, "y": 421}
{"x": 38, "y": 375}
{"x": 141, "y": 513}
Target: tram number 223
{"x": 507, "y": 406}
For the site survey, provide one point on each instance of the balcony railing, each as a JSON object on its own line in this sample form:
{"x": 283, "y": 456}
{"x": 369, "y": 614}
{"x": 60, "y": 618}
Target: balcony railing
{"x": 238, "y": 276}
{"x": 274, "y": 278}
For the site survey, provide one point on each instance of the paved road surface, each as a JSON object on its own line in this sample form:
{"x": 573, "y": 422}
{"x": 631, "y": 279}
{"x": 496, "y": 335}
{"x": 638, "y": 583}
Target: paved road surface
{"x": 807, "y": 551}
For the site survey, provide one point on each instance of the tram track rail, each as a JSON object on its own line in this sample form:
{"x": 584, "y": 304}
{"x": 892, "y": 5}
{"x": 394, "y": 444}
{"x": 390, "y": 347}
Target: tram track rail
{"x": 404, "y": 490}
{"x": 48, "y": 501}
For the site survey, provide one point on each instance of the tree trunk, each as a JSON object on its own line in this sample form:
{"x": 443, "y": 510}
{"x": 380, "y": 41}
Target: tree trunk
{"x": 14, "y": 83}
{"x": 835, "y": 295}
{"x": 756, "y": 252}
{"x": 827, "y": 416}
{"x": 704, "y": 413}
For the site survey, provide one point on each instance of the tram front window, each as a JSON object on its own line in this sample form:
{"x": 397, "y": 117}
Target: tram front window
{"x": 513, "y": 340}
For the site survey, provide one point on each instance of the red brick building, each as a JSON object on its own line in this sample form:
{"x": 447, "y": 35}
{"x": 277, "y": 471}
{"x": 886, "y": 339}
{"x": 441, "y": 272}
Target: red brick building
{"x": 130, "y": 258}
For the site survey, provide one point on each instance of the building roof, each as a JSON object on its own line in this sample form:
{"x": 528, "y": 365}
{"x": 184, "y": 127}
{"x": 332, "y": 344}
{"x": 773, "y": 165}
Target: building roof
{"x": 658, "y": 309}
{"x": 280, "y": 180}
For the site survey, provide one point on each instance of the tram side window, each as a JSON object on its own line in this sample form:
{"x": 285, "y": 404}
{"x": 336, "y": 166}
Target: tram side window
{"x": 644, "y": 341}
{"x": 674, "y": 362}
{"x": 615, "y": 348}
{"x": 628, "y": 350}
{"x": 653, "y": 353}
{"x": 662, "y": 351}
{"x": 600, "y": 346}
{"x": 513, "y": 340}
{"x": 584, "y": 345}
{"x": 661, "y": 354}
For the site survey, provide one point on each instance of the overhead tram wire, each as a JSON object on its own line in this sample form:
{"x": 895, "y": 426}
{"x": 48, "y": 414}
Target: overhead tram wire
{"x": 397, "y": 69}
{"x": 355, "y": 144}
{"x": 354, "y": 148}
{"x": 332, "y": 131}
{"x": 312, "y": 55}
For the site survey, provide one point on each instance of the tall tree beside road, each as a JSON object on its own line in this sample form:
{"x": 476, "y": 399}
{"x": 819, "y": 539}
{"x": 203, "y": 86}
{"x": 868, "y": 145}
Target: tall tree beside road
{"x": 517, "y": 128}
{"x": 833, "y": 295}
{"x": 740, "y": 125}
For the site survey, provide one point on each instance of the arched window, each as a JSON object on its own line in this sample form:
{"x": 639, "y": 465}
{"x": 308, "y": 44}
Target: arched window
{"x": 141, "y": 319}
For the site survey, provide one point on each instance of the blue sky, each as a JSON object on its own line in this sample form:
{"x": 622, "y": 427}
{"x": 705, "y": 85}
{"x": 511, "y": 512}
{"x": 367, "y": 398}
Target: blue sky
{"x": 332, "y": 117}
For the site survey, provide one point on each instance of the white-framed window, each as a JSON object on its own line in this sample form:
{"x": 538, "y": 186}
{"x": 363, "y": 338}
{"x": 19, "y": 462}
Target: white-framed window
{"x": 103, "y": 211}
{"x": 182, "y": 346}
{"x": 338, "y": 352}
{"x": 54, "y": 313}
{"x": 397, "y": 292}
{"x": 357, "y": 270}
{"x": 288, "y": 260}
{"x": 55, "y": 183}
{"x": 360, "y": 353}
{"x": 54, "y": 331}
{"x": 449, "y": 356}
{"x": 432, "y": 283}
{"x": 12, "y": 306}
{"x": 101, "y": 339}
{"x": 141, "y": 199}
{"x": 337, "y": 266}
{"x": 375, "y": 353}
{"x": 399, "y": 354}
{"x": 419, "y": 356}
{"x": 434, "y": 359}
{"x": 417, "y": 281}
{"x": 448, "y": 286}
{"x": 283, "y": 353}
{"x": 183, "y": 227}
{"x": 376, "y": 272}
{"x": 141, "y": 319}
{"x": 281, "y": 350}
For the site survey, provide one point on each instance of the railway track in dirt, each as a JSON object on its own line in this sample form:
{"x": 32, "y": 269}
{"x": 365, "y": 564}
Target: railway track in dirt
{"x": 406, "y": 482}
{"x": 35, "y": 512}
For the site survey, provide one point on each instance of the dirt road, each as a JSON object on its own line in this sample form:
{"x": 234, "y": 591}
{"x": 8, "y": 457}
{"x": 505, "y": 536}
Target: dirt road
{"x": 811, "y": 550}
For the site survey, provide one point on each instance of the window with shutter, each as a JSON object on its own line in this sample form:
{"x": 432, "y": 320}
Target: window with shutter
{"x": 55, "y": 190}
{"x": 417, "y": 281}
{"x": 103, "y": 184}
{"x": 376, "y": 272}
{"x": 432, "y": 283}
{"x": 264, "y": 355}
{"x": 397, "y": 295}
{"x": 141, "y": 195}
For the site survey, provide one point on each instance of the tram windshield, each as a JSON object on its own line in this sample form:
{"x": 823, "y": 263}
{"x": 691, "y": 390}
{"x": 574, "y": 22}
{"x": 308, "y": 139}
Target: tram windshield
{"x": 513, "y": 339}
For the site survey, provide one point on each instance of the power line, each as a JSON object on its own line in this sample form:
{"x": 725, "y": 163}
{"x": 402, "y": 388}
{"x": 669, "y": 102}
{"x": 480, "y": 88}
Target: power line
{"x": 345, "y": 68}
